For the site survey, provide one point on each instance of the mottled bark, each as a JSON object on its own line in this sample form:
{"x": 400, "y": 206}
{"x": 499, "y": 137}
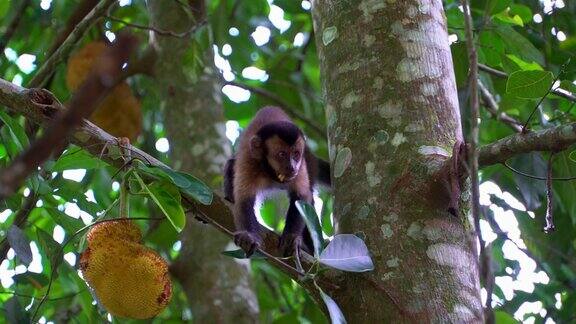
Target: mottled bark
{"x": 218, "y": 288}
{"x": 392, "y": 112}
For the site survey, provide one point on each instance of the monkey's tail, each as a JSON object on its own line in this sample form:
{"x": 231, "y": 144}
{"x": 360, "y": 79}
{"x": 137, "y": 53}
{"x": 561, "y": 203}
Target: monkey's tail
{"x": 229, "y": 180}
{"x": 318, "y": 169}
{"x": 323, "y": 176}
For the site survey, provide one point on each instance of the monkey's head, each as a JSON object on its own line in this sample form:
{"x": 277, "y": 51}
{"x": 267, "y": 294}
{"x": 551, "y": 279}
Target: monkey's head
{"x": 281, "y": 146}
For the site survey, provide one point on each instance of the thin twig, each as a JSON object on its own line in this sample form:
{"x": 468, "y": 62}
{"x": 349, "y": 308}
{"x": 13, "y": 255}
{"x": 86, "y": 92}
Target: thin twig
{"x": 47, "y": 69}
{"x": 531, "y": 176}
{"x": 13, "y": 24}
{"x": 492, "y": 108}
{"x": 71, "y": 295}
{"x": 475, "y": 114}
{"x": 290, "y": 110}
{"x": 160, "y": 31}
{"x": 549, "y": 218}
{"x": 525, "y": 126}
{"x": 40, "y": 106}
{"x": 102, "y": 80}
{"x": 557, "y": 91}
{"x": 80, "y": 11}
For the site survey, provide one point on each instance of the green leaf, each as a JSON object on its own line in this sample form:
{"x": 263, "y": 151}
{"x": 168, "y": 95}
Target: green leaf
{"x": 529, "y": 84}
{"x": 36, "y": 280}
{"x": 70, "y": 225}
{"x": 518, "y": 45}
{"x": 501, "y": 317}
{"x": 168, "y": 199}
{"x": 188, "y": 184}
{"x": 521, "y": 10}
{"x": 513, "y": 20}
{"x": 17, "y": 133}
{"x": 240, "y": 254}
{"x": 495, "y": 6}
{"x": 51, "y": 248}
{"x": 76, "y": 158}
{"x": 311, "y": 218}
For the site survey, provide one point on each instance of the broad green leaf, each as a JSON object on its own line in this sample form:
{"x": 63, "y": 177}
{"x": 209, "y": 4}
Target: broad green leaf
{"x": 496, "y": 6}
{"x": 76, "y": 158}
{"x": 51, "y": 248}
{"x": 513, "y": 20}
{"x": 240, "y": 254}
{"x": 37, "y": 280}
{"x": 16, "y": 131}
{"x": 523, "y": 11}
{"x": 188, "y": 184}
{"x": 70, "y": 225}
{"x": 347, "y": 252}
{"x": 529, "y": 84}
{"x": 19, "y": 242}
{"x": 520, "y": 64}
{"x": 501, "y": 317}
{"x": 336, "y": 316}
{"x": 518, "y": 45}
{"x": 326, "y": 215}
{"x": 167, "y": 198}
{"x": 311, "y": 218}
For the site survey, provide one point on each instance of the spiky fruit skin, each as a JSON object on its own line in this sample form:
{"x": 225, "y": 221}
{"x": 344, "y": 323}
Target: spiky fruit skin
{"x": 119, "y": 113}
{"x": 129, "y": 279}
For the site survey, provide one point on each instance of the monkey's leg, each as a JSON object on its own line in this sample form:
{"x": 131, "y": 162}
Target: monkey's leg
{"x": 247, "y": 236}
{"x": 291, "y": 238}
{"x": 229, "y": 180}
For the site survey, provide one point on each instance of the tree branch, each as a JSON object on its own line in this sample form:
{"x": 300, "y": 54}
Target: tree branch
{"x": 290, "y": 110}
{"x": 192, "y": 30}
{"x": 474, "y": 115}
{"x": 47, "y": 69}
{"x": 13, "y": 24}
{"x": 39, "y": 106}
{"x": 492, "y": 108}
{"x": 558, "y": 91}
{"x": 551, "y": 139}
{"x": 80, "y": 12}
{"x": 100, "y": 82}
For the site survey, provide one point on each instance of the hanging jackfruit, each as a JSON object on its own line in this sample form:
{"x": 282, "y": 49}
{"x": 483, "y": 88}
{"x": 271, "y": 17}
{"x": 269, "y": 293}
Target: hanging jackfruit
{"x": 129, "y": 279}
{"x": 120, "y": 113}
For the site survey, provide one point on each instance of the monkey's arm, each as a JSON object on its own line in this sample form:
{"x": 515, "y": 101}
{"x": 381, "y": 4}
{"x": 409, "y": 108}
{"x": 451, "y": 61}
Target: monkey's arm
{"x": 246, "y": 236}
{"x": 292, "y": 236}
{"x": 229, "y": 180}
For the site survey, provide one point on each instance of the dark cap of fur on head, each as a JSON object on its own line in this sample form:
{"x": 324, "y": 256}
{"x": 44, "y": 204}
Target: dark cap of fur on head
{"x": 287, "y": 131}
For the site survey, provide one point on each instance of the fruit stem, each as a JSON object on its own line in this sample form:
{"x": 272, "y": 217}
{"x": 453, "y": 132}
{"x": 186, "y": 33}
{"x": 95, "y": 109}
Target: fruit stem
{"x": 124, "y": 198}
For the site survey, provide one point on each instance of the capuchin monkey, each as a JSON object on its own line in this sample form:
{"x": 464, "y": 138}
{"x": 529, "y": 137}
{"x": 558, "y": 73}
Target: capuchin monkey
{"x": 272, "y": 154}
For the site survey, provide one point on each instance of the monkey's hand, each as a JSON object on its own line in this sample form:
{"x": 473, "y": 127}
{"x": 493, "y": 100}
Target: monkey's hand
{"x": 247, "y": 241}
{"x": 289, "y": 242}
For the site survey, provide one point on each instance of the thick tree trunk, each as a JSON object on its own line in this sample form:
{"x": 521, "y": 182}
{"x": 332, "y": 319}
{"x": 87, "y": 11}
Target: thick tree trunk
{"x": 393, "y": 118}
{"x": 218, "y": 288}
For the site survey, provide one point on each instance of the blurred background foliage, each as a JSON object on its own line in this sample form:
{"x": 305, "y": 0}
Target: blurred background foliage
{"x": 266, "y": 54}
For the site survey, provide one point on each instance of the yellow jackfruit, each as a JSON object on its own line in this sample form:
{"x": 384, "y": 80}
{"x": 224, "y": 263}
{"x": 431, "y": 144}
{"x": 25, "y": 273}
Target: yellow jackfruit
{"x": 129, "y": 279}
{"x": 120, "y": 113}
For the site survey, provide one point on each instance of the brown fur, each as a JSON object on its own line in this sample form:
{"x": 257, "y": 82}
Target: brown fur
{"x": 251, "y": 178}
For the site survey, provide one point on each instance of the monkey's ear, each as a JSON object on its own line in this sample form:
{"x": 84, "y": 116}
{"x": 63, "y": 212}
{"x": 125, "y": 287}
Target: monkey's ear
{"x": 256, "y": 147}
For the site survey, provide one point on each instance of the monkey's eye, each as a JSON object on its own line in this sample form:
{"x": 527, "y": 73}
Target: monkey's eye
{"x": 296, "y": 155}
{"x": 282, "y": 154}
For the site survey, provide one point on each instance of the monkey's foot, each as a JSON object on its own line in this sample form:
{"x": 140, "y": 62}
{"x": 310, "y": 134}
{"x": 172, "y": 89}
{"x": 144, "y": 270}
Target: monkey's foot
{"x": 247, "y": 241}
{"x": 290, "y": 242}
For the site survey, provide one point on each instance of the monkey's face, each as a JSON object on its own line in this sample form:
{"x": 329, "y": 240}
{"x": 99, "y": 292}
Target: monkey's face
{"x": 283, "y": 158}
